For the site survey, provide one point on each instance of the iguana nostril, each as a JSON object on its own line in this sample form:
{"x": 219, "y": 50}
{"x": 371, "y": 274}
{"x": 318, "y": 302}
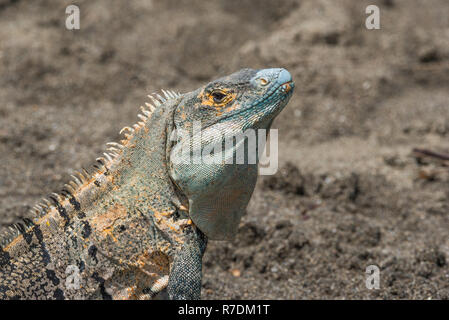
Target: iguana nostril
{"x": 263, "y": 81}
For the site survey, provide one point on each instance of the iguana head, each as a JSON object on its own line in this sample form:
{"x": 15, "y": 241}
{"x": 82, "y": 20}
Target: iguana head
{"x": 203, "y": 165}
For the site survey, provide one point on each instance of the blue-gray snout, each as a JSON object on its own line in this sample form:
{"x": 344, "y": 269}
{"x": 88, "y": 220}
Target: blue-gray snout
{"x": 284, "y": 77}
{"x": 285, "y": 80}
{"x": 277, "y": 77}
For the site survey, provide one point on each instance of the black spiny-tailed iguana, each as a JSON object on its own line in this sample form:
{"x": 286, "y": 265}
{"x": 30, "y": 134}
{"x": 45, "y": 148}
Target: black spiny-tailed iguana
{"x": 140, "y": 222}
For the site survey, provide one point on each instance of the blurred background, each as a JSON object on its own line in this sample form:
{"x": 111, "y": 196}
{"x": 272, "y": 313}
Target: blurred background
{"x": 349, "y": 192}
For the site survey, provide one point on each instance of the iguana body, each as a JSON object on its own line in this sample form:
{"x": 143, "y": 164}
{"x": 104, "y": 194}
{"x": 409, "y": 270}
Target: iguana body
{"x": 140, "y": 222}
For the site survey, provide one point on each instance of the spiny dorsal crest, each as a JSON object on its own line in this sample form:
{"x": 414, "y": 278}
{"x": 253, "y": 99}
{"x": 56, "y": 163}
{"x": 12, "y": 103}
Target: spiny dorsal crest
{"x": 84, "y": 177}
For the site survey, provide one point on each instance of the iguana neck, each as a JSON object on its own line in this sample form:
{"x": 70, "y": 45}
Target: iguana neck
{"x": 141, "y": 170}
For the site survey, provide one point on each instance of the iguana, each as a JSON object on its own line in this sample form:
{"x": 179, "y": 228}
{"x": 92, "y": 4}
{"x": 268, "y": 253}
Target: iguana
{"x": 139, "y": 223}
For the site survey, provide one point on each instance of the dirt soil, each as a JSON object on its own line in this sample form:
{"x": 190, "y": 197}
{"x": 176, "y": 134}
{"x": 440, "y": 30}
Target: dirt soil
{"x": 349, "y": 192}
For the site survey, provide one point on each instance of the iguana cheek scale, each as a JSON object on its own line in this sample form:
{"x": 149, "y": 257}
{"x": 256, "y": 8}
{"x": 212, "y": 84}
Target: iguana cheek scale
{"x": 139, "y": 223}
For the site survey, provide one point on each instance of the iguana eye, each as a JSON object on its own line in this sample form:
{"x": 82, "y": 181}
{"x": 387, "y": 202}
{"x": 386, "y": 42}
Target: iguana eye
{"x": 218, "y": 96}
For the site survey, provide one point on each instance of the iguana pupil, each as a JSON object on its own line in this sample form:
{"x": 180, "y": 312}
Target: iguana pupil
{"x": 218, "y": 96}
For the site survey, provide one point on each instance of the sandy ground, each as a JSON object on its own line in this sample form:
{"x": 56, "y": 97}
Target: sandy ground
{"x": 349, "y": 192}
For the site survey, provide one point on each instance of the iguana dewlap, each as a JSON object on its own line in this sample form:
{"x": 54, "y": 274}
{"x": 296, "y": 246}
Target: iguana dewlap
{"x": 139, "y": 223}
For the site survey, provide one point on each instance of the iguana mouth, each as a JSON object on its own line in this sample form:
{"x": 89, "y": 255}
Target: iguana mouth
{"x": 288, "y": 86}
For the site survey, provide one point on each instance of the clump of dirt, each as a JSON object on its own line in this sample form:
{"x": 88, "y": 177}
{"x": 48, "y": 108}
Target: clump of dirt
{"x": 349, "y": 192}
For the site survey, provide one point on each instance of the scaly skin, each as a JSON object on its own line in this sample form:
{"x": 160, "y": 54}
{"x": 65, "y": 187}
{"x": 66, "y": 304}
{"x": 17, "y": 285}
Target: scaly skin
{"x": 139, "y": 224}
